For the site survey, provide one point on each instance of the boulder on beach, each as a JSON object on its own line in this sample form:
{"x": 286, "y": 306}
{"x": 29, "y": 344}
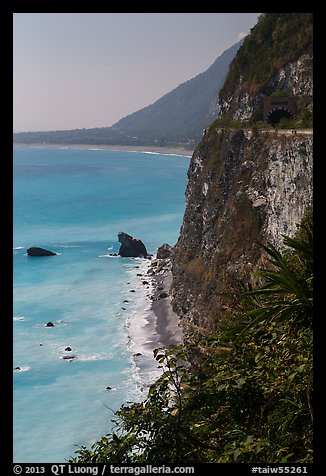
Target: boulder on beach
{"x": 131, "y": 247}
{"x": 34, "y": 251}
{"x": 164, "y": 251}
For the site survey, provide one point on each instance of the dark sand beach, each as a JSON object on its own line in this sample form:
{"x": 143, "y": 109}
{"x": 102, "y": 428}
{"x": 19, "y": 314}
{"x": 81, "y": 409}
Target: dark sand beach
{"x": 162, "y": 326}
{"x": 168, "y": 328}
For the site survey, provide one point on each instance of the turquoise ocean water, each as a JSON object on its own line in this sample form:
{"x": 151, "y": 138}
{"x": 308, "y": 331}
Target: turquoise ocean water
{"x": 74, "y": 202}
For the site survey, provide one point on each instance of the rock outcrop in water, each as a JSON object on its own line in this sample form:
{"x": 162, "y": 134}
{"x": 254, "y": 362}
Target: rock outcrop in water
{"x": 131, "y": 247}
{"x": 34, "y": 251}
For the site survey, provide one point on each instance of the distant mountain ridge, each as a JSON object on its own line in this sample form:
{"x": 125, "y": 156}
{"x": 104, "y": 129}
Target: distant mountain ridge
{"x": 176, "y": 118}
{"x": 182, "y": 113}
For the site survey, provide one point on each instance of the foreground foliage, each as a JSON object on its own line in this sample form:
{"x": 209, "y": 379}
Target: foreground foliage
{"x": 241, "y": 395}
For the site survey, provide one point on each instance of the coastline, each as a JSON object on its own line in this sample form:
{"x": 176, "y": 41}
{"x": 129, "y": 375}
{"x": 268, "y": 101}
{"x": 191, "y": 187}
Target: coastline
{"x": 156, "y": 324}
{"x": 132, "y": 148}
{"x": 168, "y": 328}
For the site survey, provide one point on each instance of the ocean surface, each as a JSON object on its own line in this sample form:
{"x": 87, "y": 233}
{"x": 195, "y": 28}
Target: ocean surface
{"x": 74, "y": 202}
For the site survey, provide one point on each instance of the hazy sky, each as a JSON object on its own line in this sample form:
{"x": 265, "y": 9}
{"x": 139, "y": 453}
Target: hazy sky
{"x": 75, "y": 70}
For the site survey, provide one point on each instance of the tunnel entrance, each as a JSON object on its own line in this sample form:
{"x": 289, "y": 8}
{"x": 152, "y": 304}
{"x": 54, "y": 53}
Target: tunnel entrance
{"x": 275, "y": 108}
{"x": 275, "y": 115}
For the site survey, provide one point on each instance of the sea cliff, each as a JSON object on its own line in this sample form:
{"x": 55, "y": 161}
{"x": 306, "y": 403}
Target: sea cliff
{"x": 245, "y": 188}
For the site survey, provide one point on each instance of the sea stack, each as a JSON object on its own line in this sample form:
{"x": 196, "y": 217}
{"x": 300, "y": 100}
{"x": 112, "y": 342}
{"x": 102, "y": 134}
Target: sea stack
{"x": 131, "y": 247}
{"x": 34, "y": 251}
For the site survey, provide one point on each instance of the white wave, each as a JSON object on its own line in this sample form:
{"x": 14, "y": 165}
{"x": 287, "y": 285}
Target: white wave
{"x": 64, "y": 347}
{"x": 152, "y": 153}
{"x": 25, "y": 368}
{"x": 110, "y": 248}
{"x": 164, "y": 153}
{"x": 18, "y": 318}
{"x": 92, "y": 357}
{"x": 58, "y": 254}
{"x": 18, "y": 247}
{"x": 140, "y": 325}
{"x": 109, "y": 256}
{"x": 67, "y": 246}
{"x": 58, "y": 321}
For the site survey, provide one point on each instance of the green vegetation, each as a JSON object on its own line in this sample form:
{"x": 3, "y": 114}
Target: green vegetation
{"x": 302, "y": 120}
{"x": 278, "y": 38}
{"x": 278, "y": 94}
{"x": 243, "y": 394}
{"x": 228, "y": 123}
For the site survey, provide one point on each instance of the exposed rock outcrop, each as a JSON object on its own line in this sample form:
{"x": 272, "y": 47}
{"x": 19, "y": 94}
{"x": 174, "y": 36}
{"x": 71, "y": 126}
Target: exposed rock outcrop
{"x": 243, "y": 190}
{"x": 276, "y": 56}
{"x": 246, "y": 187}
{"x": 164, "y": 251}
{"x": 131, "y": 247}
{"x": 35, "y": 251}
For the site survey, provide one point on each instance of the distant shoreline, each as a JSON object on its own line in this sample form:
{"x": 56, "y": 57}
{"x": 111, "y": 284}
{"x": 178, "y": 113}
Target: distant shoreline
{"x": 135, "y": 148}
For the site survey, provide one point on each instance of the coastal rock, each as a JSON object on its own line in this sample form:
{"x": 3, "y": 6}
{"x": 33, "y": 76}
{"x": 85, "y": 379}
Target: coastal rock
{"x": 68, "y": 349}
{"x": 49, "y": 324}
{"x": 163, "y": 295}
{"x": 131, "y": 247}
{"x": 34, "y": 251}
{"x": 164, "y": 251}
{"x": 68, "y": 357}
{"x": 108, "y": 388}
{"x": 17, "y": 368}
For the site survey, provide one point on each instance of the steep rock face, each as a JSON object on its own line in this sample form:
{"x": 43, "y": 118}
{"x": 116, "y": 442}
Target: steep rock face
{"x": 245, "y": 188}
{"x": 294, "y": 79}
{"x": 276, "y": 56}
